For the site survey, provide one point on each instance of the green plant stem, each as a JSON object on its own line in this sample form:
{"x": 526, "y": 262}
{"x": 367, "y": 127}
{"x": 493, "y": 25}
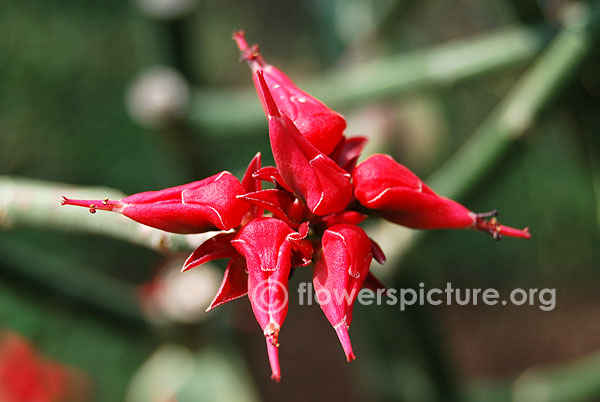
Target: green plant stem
{"x": 36, "y": 204}
{"x": 230, "y": 112}
{"x": 575, "y": 381}
{"x": 518, "y": 112}
{"x": 79, "y": 283}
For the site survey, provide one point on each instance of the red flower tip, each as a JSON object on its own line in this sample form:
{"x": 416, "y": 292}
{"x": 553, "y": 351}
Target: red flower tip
{"x": 320, "y": 125}
{"x": 339, "y": 274}
{"x": 313, "y": 177}
{"x": 401, "y": 197}
{"x": 342, "y": 332}
{"x": 197, "y": 207}
{"x": 497, "y": 230}
{"x": 272, "y": 338}
{"x": 266, "y": 97}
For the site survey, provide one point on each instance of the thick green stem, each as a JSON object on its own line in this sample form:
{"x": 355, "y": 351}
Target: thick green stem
{"x": 576, "y": 381}
{"x": 58, "y": 274}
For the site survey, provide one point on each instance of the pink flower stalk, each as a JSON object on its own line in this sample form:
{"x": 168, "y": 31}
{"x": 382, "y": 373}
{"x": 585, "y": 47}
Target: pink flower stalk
{"x": 310, "y": 216}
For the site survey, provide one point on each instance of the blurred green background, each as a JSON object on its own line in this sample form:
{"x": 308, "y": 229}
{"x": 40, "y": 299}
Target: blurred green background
{"x": 82, "y": 102}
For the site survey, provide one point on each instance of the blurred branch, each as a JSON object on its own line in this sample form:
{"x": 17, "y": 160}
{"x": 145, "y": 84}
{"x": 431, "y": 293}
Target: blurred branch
{"x": 575, "y": 381}
{"x": 32, "y": 203}
{"x": 510, "y": 121}
{"x": 57, "y": 273}
{"x": 224, "y": 111}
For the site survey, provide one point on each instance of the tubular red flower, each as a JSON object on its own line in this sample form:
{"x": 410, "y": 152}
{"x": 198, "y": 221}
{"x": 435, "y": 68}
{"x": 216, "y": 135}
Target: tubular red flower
{"x": 321, "y": 126}
{"x": 313, "y": 215}
{"x": 339, "y": 274}
{"x": 314, "y": 177}
{"x": 265, "y": 244}
{"x": 197, "y": 207}
{"x": 385, "y": 185}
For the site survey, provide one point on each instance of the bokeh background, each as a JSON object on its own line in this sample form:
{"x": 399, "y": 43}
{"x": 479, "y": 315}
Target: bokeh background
{"x": 145, "y": 95}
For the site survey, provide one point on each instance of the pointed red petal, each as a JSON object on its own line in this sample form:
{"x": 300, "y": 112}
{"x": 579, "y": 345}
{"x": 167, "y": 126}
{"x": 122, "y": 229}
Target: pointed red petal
{"x": 214, "y": 248}
{"x": 278, "y": 202}
{"x": 348, "y": 151}
{"x": 378, "y": 254}
{"x": 249, "y": 182}
{"x": 271, "y": 174}
{"x": 342, "y": 332}
{"x": 252, "y": 184}
{"x": 234, "y": 284}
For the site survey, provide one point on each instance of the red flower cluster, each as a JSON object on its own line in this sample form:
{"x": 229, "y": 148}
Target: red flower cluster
{"x": 314, "y": 207}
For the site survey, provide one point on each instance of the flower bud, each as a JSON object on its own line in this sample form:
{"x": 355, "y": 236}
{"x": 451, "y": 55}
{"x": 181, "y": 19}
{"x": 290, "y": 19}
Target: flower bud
{"x": 197, "y": 207}
{"x": 339, "y": 275}
{"x": 401, "y": 197}
{"x": 320, "y": 125}
{"x": 313, "y": 177}
{"x": 264, "y": 244}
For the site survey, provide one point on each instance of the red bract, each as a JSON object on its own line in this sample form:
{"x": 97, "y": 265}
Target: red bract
{"x": 339, "y": 275}
{"x": 197, "y": 207}
{"x": 315, "y": 178}
{"x": 321, "y": 126}
{"x": 385, "y": 185}
{"x": 265, "y": 245}
{"x": 313, "y": 214}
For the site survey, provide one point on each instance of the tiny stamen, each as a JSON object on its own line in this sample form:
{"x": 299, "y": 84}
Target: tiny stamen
{"x": 249, "y": 53}
{"x": 496, "y": 229}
